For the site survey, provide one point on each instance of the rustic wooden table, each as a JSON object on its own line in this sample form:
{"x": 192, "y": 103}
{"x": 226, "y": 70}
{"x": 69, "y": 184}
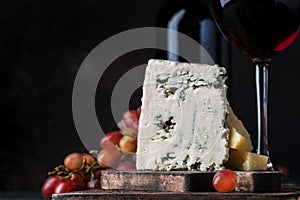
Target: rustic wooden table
{"x": 288, "y": 192}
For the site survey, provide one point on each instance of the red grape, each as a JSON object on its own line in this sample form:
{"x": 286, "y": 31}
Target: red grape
{"x": 73, "y": 161}
{"x": 225, "y": 180}
{"x": 111, "y": 139}
{"x": 128, "y": 143}
{"x": 283, "y": 170}
{"x": 126, "y": 165}
{"x": 79, "y": 181}
{"x": 66, "y": 185}
{"x": 49, "y": 185}
{"x": 139, "y": 110}
{"x": 86, "y": 177}
{"x": 97, "y": 173}
{"x": 130, "y": 120}
{"x": 109, "y": 158}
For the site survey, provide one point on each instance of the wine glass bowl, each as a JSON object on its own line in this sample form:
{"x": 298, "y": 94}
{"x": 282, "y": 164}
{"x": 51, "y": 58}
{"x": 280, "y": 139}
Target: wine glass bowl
{"x": 260, "y": 28}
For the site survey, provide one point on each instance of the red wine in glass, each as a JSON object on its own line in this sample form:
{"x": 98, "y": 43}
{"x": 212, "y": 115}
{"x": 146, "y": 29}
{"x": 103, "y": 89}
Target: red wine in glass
{"x": 260, "y": 28}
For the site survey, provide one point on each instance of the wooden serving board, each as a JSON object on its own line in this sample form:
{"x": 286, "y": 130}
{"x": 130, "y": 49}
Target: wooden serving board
{"x": 187, "y": 181}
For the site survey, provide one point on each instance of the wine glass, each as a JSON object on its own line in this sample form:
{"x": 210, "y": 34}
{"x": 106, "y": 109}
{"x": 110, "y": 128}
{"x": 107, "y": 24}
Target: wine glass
{"x": 260, "y": 28}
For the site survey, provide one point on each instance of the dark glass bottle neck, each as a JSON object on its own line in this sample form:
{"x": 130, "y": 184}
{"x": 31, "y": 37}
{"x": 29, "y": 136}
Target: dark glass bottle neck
{"x": 196, "y": 9}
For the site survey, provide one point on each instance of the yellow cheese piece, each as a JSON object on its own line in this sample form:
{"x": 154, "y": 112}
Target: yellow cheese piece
{"x": 247, "y": 161}
{"x": 239, "y": 138}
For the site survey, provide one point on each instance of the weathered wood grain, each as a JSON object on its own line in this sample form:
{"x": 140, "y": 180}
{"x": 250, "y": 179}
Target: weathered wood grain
{"x": 187, "y": 181}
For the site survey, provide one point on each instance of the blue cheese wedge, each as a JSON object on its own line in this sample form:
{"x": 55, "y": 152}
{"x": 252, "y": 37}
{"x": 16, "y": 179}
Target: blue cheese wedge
{"x": 181, "y": 126}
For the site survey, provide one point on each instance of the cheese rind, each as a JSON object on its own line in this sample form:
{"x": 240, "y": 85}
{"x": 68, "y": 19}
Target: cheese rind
{"x": 182, "y": 117}
{"x": 239, "y": 138}
{"x": 247, "y": 161}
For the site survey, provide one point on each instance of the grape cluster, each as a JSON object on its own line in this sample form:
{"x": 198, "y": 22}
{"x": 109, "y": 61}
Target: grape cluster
{"x": 82, "y": 171}
{"x": 119, "y": 147}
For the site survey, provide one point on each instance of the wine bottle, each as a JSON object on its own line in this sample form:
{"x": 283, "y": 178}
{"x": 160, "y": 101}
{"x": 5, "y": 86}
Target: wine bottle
{"x": 192, "y": 18}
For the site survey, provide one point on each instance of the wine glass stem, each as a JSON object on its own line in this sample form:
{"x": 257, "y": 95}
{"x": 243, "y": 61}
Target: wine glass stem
{"x": 262, "y": 107}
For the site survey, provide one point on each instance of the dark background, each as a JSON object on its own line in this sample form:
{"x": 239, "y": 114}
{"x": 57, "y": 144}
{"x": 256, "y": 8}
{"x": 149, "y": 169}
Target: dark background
{"x": 42, "y": 45}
